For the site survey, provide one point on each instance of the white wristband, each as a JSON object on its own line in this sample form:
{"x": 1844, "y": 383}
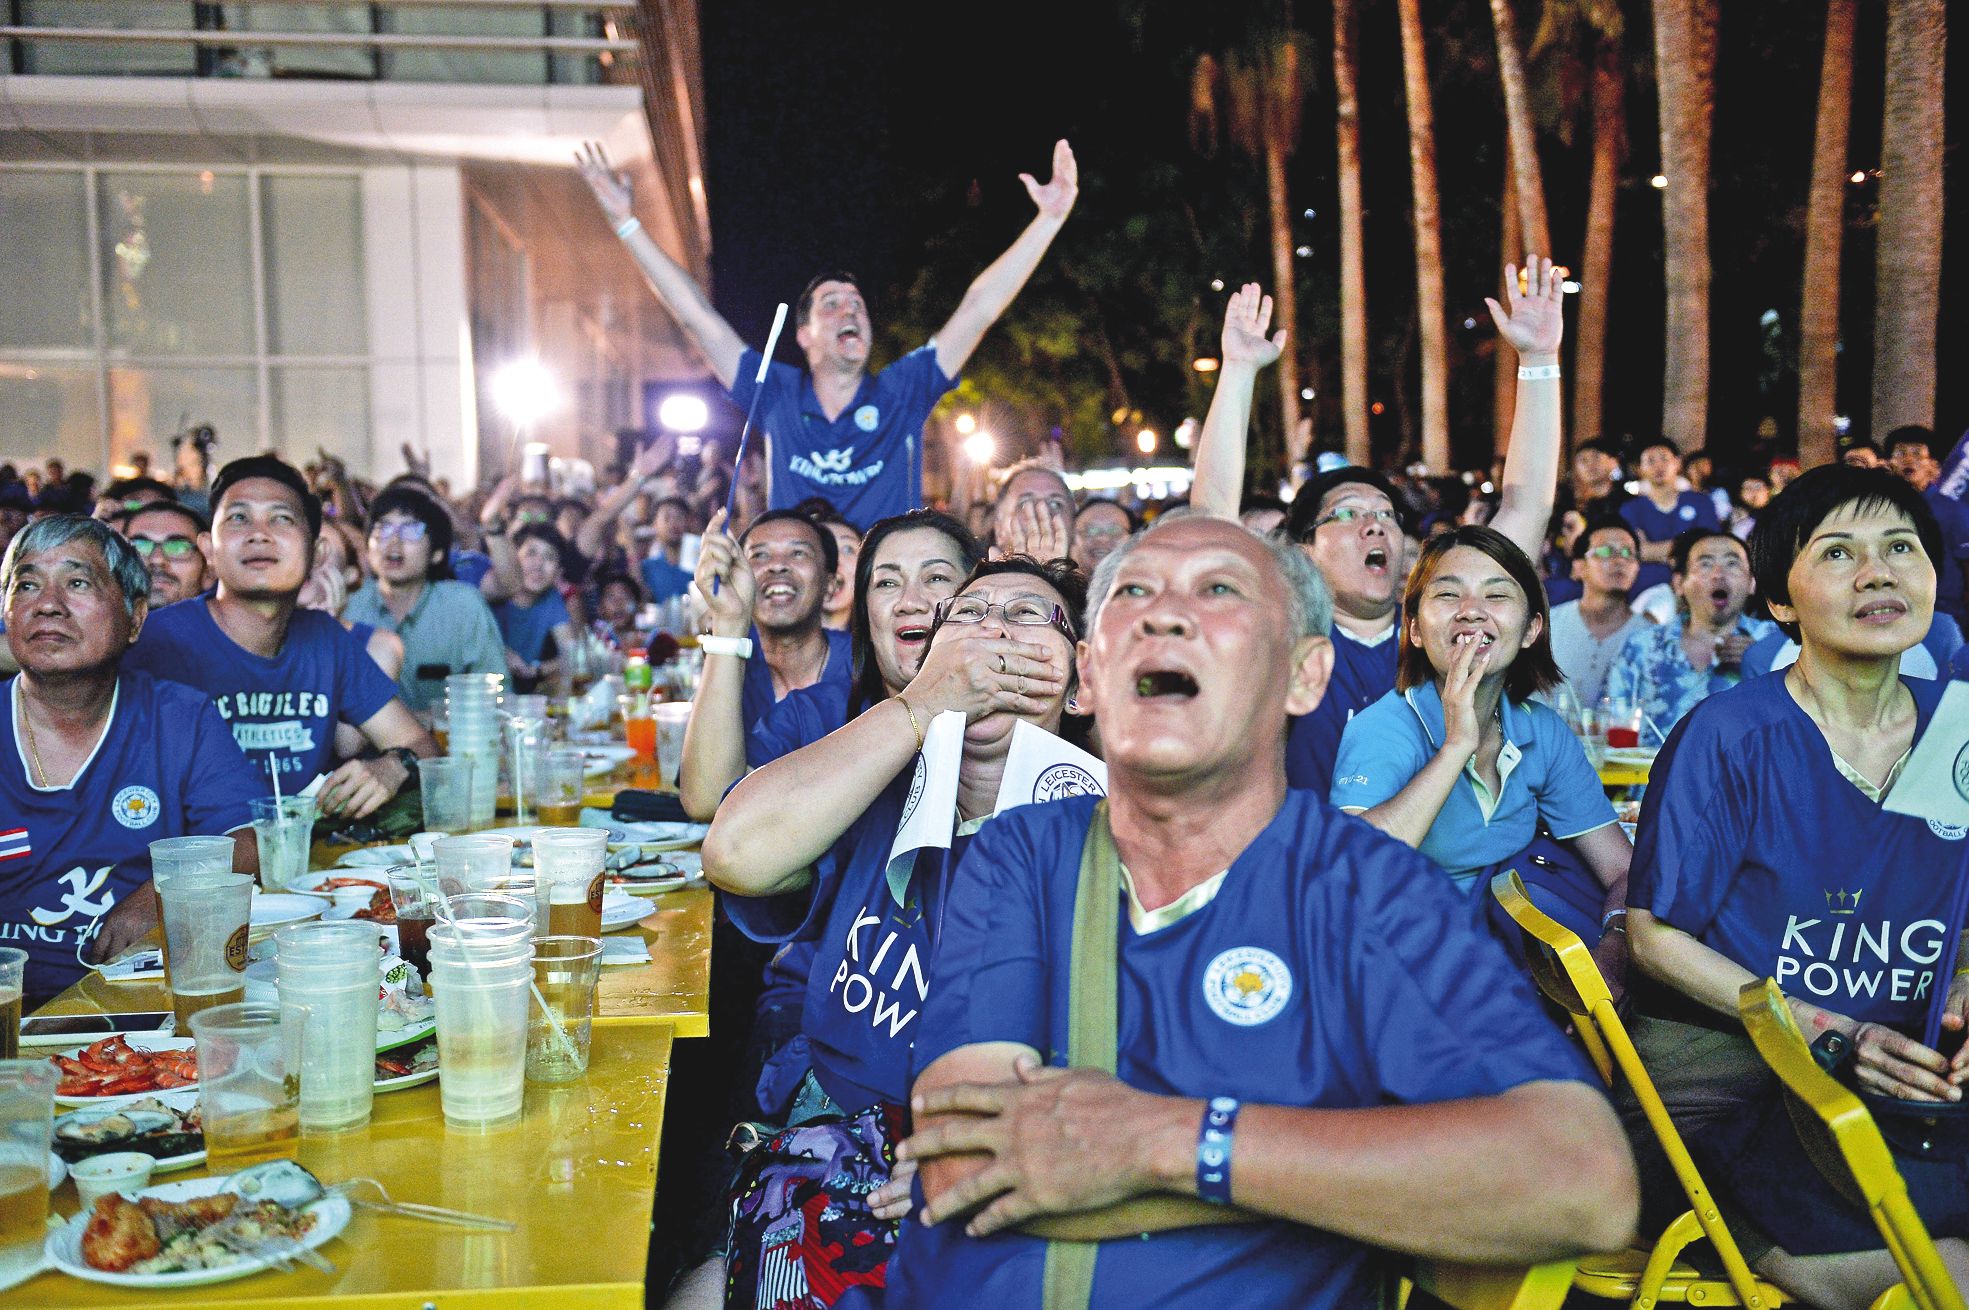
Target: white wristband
{"x": 627, "y": 226}
{"x": 1538, "y": 373}
{"x": 739, "y": 646}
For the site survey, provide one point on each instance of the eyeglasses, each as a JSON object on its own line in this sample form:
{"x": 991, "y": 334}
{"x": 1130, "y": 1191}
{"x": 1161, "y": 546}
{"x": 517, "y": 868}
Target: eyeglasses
{"x": 1022, "y": 613}
{"x": 1099, "y": 532}
{"x": 1612, "y": 552}
{"x": 404, "y": 530}
{"x": 173, "y": 547}
{"x": 1347, "y": 514}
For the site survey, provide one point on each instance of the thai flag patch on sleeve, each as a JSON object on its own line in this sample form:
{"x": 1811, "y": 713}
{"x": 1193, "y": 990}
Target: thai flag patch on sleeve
{"x": 14, "y": 844}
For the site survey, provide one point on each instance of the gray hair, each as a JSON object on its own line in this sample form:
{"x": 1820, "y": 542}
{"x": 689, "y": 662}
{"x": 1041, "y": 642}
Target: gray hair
{"x": 126, "y": 567}
{"x": 1309, "y": 606}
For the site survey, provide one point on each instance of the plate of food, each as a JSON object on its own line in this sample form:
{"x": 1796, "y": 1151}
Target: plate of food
{"x": 652, "y": 875}
{"x": 125, "y": 1068}
{"x": 601, "y": 758}
{"x": 376, "y": 857}
{"x": 186, "y": 1234}
{"x": 620, "y": 910}
{"x": 278, "y": 909}
{"x": 165, "y": 1126}
{"x": 407, "y": 1066}
{"x": 1632, "y": 757}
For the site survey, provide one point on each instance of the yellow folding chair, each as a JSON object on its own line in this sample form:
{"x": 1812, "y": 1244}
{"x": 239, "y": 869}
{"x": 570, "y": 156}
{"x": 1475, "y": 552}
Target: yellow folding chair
{"x": 1491, "y": 1287}
{"x": 1846, "y": 1146}
{"x": 1566, "y": 972}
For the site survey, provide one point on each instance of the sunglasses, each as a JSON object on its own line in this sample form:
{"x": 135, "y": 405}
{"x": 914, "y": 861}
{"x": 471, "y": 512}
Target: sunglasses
{"x": 173, "y": 547}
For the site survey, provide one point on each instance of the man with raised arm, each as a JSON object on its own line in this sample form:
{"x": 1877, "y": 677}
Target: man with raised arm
{"x": 1317, "y": 1051}
{"x": 1349, "y": 520}
{"x": 836, "y": 430}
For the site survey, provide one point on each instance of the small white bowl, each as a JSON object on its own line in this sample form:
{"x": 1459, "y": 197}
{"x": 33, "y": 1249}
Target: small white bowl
{"x": 119, "y": 1171}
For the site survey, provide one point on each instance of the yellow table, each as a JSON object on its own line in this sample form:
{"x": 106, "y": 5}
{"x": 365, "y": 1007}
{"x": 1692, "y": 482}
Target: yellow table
{"x": 1624, "y": 775}
{"x": 577, "y": 1174}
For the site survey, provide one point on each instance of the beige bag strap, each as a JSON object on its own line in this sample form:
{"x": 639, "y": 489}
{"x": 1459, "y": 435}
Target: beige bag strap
{"x": 1091, "y": 1020}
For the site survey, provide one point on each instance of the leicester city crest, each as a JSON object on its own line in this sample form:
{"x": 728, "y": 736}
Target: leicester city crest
{"x": 1247, "y": 986}
{"x": 136, "y": 807}
{"x": 1063, "y": 781}
{"x": 868, "y": 418}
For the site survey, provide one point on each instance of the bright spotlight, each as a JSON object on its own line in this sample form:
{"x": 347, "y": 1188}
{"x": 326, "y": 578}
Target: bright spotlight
{"x": 1571, "y": 288}
{"x": 1185, "y": 434}
{"x": 525, "y": 392}
{"x": 979, "y": 448}
{"x": 966, "y": 424}
{"x": 1659, "y": 181}
{"x": 683, "y": 412}
{"x": 1859, "y": 176}
{"x": 1145, "y": 441}
{"x": 1204, "y": 364}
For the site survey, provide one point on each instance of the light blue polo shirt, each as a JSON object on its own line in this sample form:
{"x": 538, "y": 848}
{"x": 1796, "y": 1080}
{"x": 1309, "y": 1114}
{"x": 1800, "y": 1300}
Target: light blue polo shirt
{"x": 1543, "y": 775}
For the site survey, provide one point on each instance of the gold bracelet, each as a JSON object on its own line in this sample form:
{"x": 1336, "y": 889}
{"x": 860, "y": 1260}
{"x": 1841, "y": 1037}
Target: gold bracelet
{"x": 907, "y": 709}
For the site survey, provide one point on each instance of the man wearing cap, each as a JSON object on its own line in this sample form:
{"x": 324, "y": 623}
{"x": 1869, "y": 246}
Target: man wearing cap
{"x": 835, "y": 430}
{"x": 1349, "y": 520}
{"x": 282, "y": 676}
{"x": 1317, "y": 1055}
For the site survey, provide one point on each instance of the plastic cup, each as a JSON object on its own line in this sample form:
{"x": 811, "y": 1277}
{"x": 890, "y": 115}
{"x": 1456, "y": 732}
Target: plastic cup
{"x": 27, "y": 1116}
{"x": 205, "y": 918}
{"x": 565, "y": 970}
{"x": 446, "y": 785}
{"x": 671, "y": 720}
{"x": 483, "y": 985}
{"x": 250, "y": 1107}
{"x": 414, "y": 893}
{"x": 486, "y": 916}
{"x": 175, "y": 855}
{"x": 1620, "y": 721}
{"x": 466, "y": 864}
{"x": 569, "y": 863}
{"x": 638, "y": 726}
{"x": 120, "y": 1171}
{"x": 563, "y": 782}
{"x": 285, "y": 827}
{"x": 328, "y": 977}
{"x": 13, "y": 979}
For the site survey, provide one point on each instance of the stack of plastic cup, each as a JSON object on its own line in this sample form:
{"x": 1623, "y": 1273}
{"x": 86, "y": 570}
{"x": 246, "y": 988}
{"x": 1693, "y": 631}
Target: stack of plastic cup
{"x": 475, "y": 863}
{"x": 328, "y": 977}
{"x": 472, "y": 724}
{"x": 172, "y": 856}
{"x": 482, "y": 980}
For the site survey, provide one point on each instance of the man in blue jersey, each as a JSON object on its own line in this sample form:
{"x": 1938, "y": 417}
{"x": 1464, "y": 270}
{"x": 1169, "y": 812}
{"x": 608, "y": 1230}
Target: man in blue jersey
{"x": 835, "y": 430}
{"x": 1663, "y": 511}
{"x": 282, "y": 676}
{"x": 766, "y": 640}
{"x": 1316, "y": 1047}
{"x": 1349, "y": 520}
{"x": 96, "y": 761}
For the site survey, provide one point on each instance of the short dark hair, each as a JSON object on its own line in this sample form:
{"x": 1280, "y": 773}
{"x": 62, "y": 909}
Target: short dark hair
{"x": 1685, "y": 544}
{"x": 1814, "y": 496}
{"x": 1859, "y": 443}
{"x": 678, "y": 501}
{"x": 1305, "y": 509}
{"x": 830, "y": 549}
{"x": 1259, "y": 500}
{"x": 867, "y": 689}
{"x": 406, "y": 499}
{"x": 1584, "y": 541}
{"x": 550, "y": 534}
{"x": 618, "y": 578}
{"x": 805, "y": 306}
{"x": 1604, "y": 445}
{"x": 124, "y": 488}
{"x": 1134, "y": 519}
{"x": 1911, "y": 434}
{"x": 1535, "y": 669}
{"x": 274, "y": 469}
{"x": 1652, "y": 442}
{"x": 821, "y": 510}
{"x": 178, "y": 507}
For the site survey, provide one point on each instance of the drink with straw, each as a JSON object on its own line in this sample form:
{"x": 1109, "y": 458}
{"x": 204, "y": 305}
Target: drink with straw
{"x": 284, "y": 826}
{"x": 482, "y": 976}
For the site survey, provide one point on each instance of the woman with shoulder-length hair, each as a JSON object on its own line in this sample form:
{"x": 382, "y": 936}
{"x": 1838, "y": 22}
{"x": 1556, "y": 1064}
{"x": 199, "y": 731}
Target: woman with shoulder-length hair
{"x": 1459, "y": 762}
{"x": 1765, "y": 851}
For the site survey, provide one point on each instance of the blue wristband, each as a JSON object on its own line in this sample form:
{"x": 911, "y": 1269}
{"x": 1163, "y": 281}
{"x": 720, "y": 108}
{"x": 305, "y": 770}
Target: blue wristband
{"x": 1213, "y": 1150}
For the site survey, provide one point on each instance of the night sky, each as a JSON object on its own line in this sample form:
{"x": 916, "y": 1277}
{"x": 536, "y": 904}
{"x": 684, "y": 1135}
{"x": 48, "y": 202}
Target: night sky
{"x": 837, "y": 133}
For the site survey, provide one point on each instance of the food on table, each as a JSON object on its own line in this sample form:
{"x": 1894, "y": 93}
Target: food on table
{"x": 380, "y": 908}
{"x": 111, "y": 1067}
{"x": 407, "y": 1060}
{"x": 148, "y": 1125}
{"x": 151, "y": 1236}
{"x": 329, "y": 885}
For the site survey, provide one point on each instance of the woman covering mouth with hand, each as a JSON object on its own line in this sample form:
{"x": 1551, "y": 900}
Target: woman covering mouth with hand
{"x": 1461, "y": 764}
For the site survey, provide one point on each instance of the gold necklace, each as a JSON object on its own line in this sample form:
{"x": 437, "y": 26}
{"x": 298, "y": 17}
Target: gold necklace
{"x": 27, "y": 726}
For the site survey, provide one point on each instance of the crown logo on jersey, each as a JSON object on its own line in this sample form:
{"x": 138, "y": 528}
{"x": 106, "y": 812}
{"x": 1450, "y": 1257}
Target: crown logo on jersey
{"x": 1843, "y": 902}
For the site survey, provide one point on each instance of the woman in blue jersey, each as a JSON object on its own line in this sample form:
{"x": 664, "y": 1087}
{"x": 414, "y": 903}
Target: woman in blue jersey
{"x": 1459, "y": 762}
{"x": 1765, "y": 851}
{"x": 1000, "y": 652}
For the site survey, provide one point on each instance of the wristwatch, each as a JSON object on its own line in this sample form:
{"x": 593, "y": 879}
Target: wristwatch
{"x": 1834, "y": 1051}
{"x": 407, "y": 758}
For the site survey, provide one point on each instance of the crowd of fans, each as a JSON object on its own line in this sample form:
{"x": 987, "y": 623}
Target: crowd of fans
{"x": 1229, "y": 1016}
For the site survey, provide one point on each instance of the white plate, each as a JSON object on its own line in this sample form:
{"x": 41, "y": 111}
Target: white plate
{"x": 644, "y": 888}
{"x": 601, "y": 759}
{"x": 137, "y": 1042}
{"x": 664, "y": 836}
{"x": 180, "y": 1099}
{"x": 407, "y": 1080}
{"x": 620, "y": 910}
{"x": 375, "y": 857}
{"x": 278, "y": 909}
{"x": 1633, "y": 757}
{"x": 64, "y": 1248}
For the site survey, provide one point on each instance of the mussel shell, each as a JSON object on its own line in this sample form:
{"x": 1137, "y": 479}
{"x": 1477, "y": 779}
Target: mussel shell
{"x": 94, "y": 1127}
{"x": 280, "y": 1181}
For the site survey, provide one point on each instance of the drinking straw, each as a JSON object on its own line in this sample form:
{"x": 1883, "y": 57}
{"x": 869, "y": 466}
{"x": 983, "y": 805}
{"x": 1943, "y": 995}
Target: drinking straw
{"x": 273, "y": 767}
{"x": 751, "y": 413}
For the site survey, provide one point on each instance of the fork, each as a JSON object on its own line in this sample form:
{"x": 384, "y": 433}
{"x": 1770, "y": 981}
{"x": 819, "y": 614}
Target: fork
{"x": 414, "y": 1210}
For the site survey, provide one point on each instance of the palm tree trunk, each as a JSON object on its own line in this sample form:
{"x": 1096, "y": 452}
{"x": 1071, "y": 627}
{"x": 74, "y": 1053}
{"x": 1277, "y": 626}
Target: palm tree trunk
{"x": 1511, "y": 241}
{"x": 1428, "y": 239}
{"x": 1353, "y": 274}
{"x": 1907, "y": 280}
{"x": 1825, "y": 226}
{"x": 1285, "y": 298}
{"x": 1589, "y": 360}
{"x": 1518, "y": 127}
{"x": 1684, "y": 64}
